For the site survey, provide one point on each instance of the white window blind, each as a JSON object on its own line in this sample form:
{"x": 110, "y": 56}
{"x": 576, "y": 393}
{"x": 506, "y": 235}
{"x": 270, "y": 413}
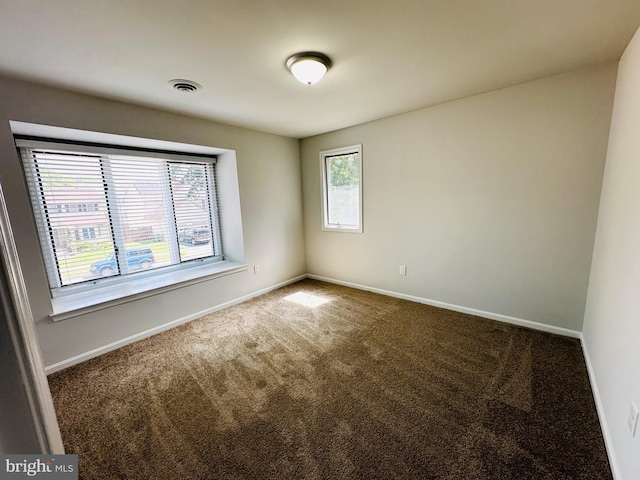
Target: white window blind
{"x": 104, "y": 214}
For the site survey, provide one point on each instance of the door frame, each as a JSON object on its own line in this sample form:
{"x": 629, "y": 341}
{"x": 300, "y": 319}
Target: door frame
{"x": 17, "y": 311}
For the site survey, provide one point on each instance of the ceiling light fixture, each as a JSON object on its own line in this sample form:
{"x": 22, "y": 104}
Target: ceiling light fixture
{"x": 308, "y": 67}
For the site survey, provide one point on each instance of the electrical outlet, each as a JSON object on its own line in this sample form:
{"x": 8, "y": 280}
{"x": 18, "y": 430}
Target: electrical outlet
{"x": 256, "y": 269}
{"x": 403, "y": 270}
{"x": 632, "y": 421}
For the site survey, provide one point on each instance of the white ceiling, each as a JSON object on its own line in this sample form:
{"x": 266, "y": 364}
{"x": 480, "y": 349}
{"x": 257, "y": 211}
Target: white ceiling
{"x": 390, "y": 56}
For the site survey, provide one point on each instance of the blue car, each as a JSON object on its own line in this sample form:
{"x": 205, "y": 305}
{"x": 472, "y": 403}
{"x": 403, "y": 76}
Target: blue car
{"x": 141, "y": 258}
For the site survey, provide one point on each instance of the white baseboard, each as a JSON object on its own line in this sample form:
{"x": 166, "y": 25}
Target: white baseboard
{"x": 161, "y": 328}
{"x": 457, "y": 308}
{"x": 613, "y": 462}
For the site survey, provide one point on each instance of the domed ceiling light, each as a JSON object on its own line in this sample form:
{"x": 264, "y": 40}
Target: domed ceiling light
{"x": 308, "y": 67}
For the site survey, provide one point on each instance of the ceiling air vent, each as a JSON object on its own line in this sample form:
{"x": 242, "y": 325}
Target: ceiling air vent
{"x": 186, "y": 86}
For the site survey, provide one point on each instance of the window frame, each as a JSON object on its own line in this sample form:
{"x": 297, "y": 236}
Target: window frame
{"x": 201, "y": 267}
{"x": 324, "y": 156}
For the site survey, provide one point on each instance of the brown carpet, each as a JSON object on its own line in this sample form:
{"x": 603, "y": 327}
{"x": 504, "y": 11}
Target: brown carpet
{"x": 362, "y": 387}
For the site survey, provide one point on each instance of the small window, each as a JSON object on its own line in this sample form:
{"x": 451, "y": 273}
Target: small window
{"x": 342, "y": 189}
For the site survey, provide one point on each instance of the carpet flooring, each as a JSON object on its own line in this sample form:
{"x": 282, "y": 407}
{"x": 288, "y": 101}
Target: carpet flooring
{"x": 361, "y": 387}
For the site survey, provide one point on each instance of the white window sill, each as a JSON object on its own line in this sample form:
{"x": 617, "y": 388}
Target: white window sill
{"x": 343, "y": 229}
{"x": 75, "y": 304}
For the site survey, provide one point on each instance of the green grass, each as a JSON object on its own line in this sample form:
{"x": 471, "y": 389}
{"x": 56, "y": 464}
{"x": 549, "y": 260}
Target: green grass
{"x": 75, "y": 268}
{"x": 160, "y": 251}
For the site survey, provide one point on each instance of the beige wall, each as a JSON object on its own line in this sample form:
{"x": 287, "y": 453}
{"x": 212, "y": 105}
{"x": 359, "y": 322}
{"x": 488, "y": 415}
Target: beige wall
{"x": 270, "y": 197}
{"x": 490, "y": 201}
{"x": 612, "y": 317}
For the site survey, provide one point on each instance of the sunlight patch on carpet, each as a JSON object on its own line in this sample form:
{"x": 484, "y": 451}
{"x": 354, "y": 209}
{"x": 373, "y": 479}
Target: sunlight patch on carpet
{"x": 307, "y": 299}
